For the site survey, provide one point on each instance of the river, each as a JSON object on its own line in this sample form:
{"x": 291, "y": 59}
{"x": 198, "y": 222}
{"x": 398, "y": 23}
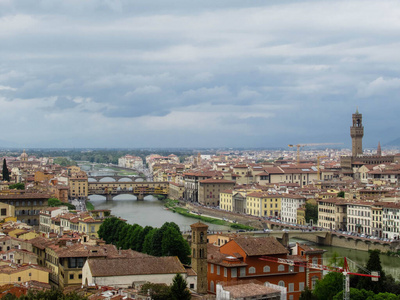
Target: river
{"x": 150, "y": 212}
{"x": 391, "y": 265}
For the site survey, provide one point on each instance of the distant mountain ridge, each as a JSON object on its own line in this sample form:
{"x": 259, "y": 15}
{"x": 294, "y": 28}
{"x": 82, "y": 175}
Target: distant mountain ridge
{"x": 393, "y": 143}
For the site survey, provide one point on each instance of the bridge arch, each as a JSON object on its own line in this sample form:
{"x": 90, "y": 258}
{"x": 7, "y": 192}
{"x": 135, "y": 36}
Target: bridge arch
{"x": 125, "y": 179}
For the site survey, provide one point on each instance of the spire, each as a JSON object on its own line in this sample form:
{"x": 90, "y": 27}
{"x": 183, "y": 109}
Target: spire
{"x": 379, "y": 150}
{"x": 357, "y": 110}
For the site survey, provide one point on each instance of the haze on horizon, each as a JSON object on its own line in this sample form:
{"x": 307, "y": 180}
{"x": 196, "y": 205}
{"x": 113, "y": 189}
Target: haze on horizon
{"x": 121, "y": 74}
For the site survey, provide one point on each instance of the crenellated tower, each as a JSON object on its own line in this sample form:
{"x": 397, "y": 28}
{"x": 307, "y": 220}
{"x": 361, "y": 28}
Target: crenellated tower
{"x": 357, "y": 133}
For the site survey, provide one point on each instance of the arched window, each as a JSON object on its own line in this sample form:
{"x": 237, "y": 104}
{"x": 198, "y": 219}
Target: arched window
{"x": 281, "y": 283}
{"x": 314, "y": 282}
{"x": 212, "y": 286}
{"x": 252, "y": 270}
{"x": 201, "y": 237}
{"x": 266, "y": 269}
{"x": 281, "y": 268}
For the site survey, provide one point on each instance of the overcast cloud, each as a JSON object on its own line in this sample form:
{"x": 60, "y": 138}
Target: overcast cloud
{"x": 197, "y": 73}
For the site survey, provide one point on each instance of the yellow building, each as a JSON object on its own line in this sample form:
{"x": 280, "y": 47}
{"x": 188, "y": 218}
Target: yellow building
{"x": 265, "y": 204}
{"x": 78, "y": 185}
{"x": 225, "y": 200}
{"x": 7, "y": 211}
{"x": 23, "y": 234}
{"x": 24, "y": 273}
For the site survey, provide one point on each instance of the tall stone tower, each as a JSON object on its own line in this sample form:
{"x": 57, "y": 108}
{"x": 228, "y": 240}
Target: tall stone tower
{"x": 357, "y": 133}
{"x": 199, "y": 255}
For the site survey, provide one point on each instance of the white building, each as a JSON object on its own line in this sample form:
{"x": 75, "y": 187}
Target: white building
{"x": 130, "y": 161}
{"x": 125, "y": 272}
{"x": 289, "y": 206}
{"x": 391, "y": 220}
{"x": 359, "y": 217}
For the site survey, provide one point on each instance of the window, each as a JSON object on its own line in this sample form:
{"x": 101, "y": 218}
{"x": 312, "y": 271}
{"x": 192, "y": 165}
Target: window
{"x": 234, "y": 272}
{"x": 252, "y": 270}
{"x": 225, "y": 272}
{"x": 212, "y": 286}
{"x": 192, "y": 285}
{"x": 211, "y": 267}
{"x": 281, "y": 283}
{"x": 301, "y": 269}
{"x": 19, "y": 278}
{"x": 218, "y": 270}
{"x": 281, "y": 268}
{"x": 71, "y": 276}
{"x": 315, "y": 260}
{"x": 243, "y": 271}
{"x": 266, "y": 269}
{"x": 301, "y": 286}
{"x": 3, "y": 212}
{"x": 80, "y": 276}
{"x": 314, "y": 282}
{"x": 291, "y": 287}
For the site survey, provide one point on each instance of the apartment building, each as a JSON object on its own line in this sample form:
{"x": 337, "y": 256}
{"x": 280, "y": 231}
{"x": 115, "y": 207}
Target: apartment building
{"x": 332, "y": 214}
{"x": 264, "y": 204}
{"x": 359, "y": 217}
{"x": 290, "y": 204}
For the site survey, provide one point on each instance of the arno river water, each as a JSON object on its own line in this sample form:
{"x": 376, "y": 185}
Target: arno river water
{"x": 151, "y": 212}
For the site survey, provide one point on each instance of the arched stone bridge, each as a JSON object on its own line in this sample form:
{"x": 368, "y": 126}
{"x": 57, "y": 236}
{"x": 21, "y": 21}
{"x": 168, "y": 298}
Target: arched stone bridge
{"x": 116, "y": 178}
{"x": 138, "y": 189}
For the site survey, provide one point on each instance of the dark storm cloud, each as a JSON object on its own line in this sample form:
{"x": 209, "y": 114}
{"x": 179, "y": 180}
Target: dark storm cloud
{"x": 221, "y": 71}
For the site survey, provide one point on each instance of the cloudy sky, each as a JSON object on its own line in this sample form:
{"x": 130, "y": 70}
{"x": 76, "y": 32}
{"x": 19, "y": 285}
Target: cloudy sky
{"x": 227, "y": 73}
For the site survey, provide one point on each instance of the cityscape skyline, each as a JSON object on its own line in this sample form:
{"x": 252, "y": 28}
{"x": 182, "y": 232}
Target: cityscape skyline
{"x": 165, "y": 74}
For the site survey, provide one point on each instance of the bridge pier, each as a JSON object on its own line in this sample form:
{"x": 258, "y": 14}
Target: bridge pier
{"x": 140, "y": 197}
{"x": 109, "y": 197}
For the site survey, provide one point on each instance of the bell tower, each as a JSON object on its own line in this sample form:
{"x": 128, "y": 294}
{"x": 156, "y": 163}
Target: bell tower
{"x": 357, "y": 133}
{"x": 199, "y": 255}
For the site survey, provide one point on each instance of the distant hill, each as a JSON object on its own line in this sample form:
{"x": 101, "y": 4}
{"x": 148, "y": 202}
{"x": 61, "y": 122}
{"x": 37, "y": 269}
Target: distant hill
{"x": 394, "y": 143}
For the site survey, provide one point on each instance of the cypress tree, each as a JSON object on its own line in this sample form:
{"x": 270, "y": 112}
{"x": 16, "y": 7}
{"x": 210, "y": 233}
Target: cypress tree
{"x": 5, "y": 173}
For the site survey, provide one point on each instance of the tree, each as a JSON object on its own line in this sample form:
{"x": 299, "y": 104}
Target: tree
{"x": 5, "y": 173}
{"x": 17, "y": 186}
{"x": 356, "y": 294}
{"x": 173, "y": 244}
{"x": 307, "y": 295}
{"x": 53, "y": 202}
{"x": 340, "y": 194}
{"x": 312, "y": 213}
{"x": 373, "y": 264}
{"x": 156, "y": 291}
{"x": 179, "y": 290}
{"x": 329, "y": 286}
{"x": 109, "y": 230}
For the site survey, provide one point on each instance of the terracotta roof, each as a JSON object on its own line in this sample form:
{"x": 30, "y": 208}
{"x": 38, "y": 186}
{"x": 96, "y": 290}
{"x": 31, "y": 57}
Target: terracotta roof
{"x": 199, "y": 225}
{"x": 135, "y": 266}
{"x": 259, "y": 246}
{"x": 217, "y": 181}
{"x": 249, "y": 290}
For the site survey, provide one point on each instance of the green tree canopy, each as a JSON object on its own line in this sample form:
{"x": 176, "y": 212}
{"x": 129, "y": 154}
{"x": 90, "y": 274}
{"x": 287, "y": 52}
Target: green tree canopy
{"x": 341, "y": 194}
{"x": 156, "y": 291}
{"x": 373, "y": 264}
{"x": 312, "y": 213}
{"x": 17, "y": 186}
{"x": 179, "y": 290}
{"x": 329, "y": 286}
